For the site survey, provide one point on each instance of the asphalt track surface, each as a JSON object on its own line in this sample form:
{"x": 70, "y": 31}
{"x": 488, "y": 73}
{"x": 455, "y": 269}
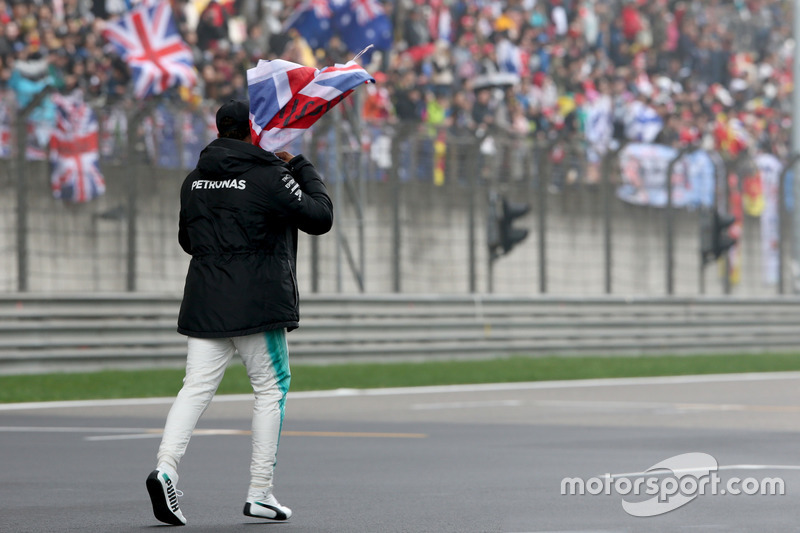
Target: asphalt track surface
{"x": 487, "y": 458}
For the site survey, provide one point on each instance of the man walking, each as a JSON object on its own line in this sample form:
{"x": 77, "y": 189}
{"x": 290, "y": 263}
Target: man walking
{"x": 241, "y": 209}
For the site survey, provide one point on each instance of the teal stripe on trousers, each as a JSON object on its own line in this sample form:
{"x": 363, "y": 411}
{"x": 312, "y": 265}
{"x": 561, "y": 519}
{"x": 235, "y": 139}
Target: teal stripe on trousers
{"x": 279, "y": 353}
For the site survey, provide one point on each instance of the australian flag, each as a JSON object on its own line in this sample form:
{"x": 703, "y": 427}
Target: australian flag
{"x": 148, "y": 40}
{"x": 358, "y": 23}
{"x": 286, "y": 98}
{"x": 74, "y": 149}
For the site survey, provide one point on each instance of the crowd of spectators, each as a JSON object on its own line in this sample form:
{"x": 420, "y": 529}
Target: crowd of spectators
{"x": 708, "y": 72}
{"x": 671, "y": 71}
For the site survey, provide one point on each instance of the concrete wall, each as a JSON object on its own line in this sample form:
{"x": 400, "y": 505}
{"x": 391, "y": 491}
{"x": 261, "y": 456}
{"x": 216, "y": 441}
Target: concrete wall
{"x": 83, "y": 248}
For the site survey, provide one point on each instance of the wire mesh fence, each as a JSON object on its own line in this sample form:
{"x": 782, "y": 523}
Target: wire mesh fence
{"x": 413, "y": 215}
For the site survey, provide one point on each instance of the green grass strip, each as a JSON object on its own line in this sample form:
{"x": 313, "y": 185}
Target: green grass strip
{"x": 166, "y": 382}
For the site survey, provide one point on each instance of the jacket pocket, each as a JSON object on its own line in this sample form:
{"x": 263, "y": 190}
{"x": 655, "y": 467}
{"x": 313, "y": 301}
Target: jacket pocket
{"x": 294, "y": 284}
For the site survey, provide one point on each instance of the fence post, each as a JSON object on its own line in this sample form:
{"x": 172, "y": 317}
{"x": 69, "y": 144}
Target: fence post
{"x": 730, "y": 167}
{"x": 22, "y": 188}
{"x": 782, "y": 216}
{"x": 394, "y": 175}
{"x": 313, "y": 153}
{"x": 473, "y": 190}
{"x": 607, "y": 184}
{"x": 338, "y": 188}
{"x": 135, "y": 118}
{"x": 541, "y": 207}
{"x": 670, "y": 222}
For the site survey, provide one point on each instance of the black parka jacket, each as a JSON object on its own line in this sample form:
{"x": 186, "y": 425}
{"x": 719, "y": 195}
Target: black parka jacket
{"x": 241, "y": 209}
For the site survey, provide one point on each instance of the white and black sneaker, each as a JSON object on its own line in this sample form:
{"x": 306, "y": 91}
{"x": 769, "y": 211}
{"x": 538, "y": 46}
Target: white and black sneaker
{"x": 164, "y": 496}
{"x": 266, "y": 506}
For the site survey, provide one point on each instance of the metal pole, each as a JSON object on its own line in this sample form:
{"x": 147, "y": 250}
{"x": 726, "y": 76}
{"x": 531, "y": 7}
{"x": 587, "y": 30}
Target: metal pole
{"x": 541, "y": 205}
{"x": 22, "y": 188}
{"x": 607, "y": 231}
{"x": 670, "y": 222}
{"x": 134, "y": 120}
{"x": 782, "y": 219}
{"x": 473, "y": 189}
{"x": 130, "y": 279}
{"x": 339, "y": 188}
{"x": 395, "y": 177}
{"x": 493, "y": 205}
{"x": 360, "y": 191}
{"x": 670, "y": 229}
{"x": 796, "y": 147}
{"x": 22, "y": 205}
{"x": 314, "y": 256}
{"x": 726, "y": 280}
{"x": 702, "y": 274}
{"x": 490, "y": 274}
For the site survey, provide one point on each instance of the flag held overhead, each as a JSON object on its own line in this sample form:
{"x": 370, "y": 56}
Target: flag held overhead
{"x": 286, "y": 98}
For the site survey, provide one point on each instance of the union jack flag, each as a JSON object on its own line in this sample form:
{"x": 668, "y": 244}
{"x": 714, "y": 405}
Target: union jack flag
{"x": 287, "y": 98}
{"x": 74, "y": 149}
{"x": 148, "y": 40}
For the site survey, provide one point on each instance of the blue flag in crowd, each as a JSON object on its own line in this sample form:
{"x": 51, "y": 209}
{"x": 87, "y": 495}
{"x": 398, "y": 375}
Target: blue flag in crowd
{"x": 165, "y": 133}
{"x": 358, "y": 23}
{"x": 313, "y": 20}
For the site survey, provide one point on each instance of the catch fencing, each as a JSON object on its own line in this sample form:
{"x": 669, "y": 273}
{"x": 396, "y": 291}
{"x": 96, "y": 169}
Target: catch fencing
{"x": 413, "y": 208}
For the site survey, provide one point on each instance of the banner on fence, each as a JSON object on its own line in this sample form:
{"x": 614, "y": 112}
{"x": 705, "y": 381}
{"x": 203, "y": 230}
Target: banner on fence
{"x": 644, "y": 176}
{"x": 770, "y": 169}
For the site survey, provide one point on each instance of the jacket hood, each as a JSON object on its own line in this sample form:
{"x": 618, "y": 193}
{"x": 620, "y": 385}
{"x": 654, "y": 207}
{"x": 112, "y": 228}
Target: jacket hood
{"x": 226, "y": 158}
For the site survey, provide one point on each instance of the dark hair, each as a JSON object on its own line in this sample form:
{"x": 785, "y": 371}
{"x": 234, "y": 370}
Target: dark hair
{"x": 230, "y": 129}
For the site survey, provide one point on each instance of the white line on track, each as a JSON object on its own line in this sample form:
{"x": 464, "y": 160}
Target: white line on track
{"x": 149, "y": 433}
{"x": 439, "y": 389}
{"x": 670, "y": 472}
{"x": 60, "y": 429}
{"x": 465, "y": 405}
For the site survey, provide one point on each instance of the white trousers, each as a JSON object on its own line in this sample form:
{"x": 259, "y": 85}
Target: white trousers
{"x": 266, "y": 358}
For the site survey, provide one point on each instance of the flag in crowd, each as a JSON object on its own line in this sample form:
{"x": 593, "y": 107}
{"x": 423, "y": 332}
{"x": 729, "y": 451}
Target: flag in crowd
{"x": 642, "y": 122}
{"x": 174, "y": 138}
{"x": 770, "y": 169}
{"x": 5, "y": 130}
{"x": 74, "y": 149}
{"x": 148, "y": 40}
{"x": 38, "y": 135}
{"x": 114, "y": 134}
{"x": 193, "y": 137}
{"x": 359, "y": 23}
{"x": 163, "y": 125}
{"x": 286, "y": 98}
